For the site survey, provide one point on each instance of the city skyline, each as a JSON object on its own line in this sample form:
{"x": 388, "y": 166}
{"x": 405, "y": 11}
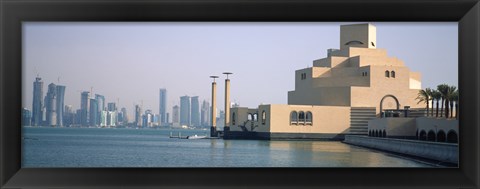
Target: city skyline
{"x": 185, "y": 54}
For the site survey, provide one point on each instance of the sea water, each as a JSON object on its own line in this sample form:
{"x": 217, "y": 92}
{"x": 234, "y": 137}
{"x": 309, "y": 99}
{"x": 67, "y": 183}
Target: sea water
{"x": 123, "y": 147}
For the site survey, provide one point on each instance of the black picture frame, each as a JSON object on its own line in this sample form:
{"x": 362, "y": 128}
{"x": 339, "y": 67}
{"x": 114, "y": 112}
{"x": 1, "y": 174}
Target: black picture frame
{"x": 14, "y": 12}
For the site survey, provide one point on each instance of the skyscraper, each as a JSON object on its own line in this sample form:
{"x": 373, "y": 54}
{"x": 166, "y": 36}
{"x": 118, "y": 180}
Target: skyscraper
{"x": 205, "y": 113}
{"x": 100, "y": 107}
{"x": 175, "y": 116}
{"x": 93, "y": 112}
{"x": 85, "y": 107}
{"x": 112, "y": 106}
{"x": 26, "y": 117}
{"x": 50, "y": 105}
{"x": 163, "y": 106}
{"x": 195, "y": 111}
{"x": 101, "y": 102}
{"x": 125, "y": 116}
{"x": 138, "y": 116}
{"x": 185, "y": 110}
{"x": 37, "y": 104}
{"x": 60, "y": 104}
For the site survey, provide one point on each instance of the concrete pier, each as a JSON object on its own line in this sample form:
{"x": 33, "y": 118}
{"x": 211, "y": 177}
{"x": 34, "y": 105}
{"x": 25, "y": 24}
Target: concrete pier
{"x": 438, "y": 151}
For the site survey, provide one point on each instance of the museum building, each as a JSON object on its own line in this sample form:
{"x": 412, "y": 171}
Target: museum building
{"x": 337, "y": 96}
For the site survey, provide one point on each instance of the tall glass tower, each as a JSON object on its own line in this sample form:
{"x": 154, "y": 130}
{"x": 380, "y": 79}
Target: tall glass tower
{"x": 50, "y": 105}
{"x": 195, "y": 111}
{"x": 60, "y": 104}
{"x": 85, "y": 108}
{"x": 37, "y": 114}
{"x": 163, "y": 107}
{"x": 185, "y": 110}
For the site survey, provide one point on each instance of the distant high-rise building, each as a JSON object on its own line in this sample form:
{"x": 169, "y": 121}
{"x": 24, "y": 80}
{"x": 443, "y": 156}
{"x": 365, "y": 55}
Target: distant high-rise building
{"x": 100, "y": 107}
{"x": 112, "y": 106}
{"x": 68, "y": 116}
{"x": 175, "y": 115}
{"x": 205, "y": 114}
{"x": 101, "y": 102}
{"x": 195, "y": 111}
{"x": 112, "y": 119}
{"x": 85, "y": 107}
{"x": 93, "y": 112}
{"x": 50, "y": 105}
{"x": 138, "y": 116}
{"x": 104, "y": 118}
{"x": 148, "y": 118}
{"x": 37, "y": 114}
{"x": 185, "y": 110}
{"x": 168, "y": 118}
{"x": 125, "y": 116}
{"x": 26, "y": 117}
{"x": 163, "y": 106}
{"x": 60, "y": 104}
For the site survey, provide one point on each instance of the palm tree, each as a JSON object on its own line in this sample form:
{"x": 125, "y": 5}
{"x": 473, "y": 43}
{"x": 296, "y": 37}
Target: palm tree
{"x": 436, "y": 95}
{"x": 455, "y": 99}
{"x": 448, "y": 101}
{"x": 443, "y": 89}
{"x": 424, "y": 96}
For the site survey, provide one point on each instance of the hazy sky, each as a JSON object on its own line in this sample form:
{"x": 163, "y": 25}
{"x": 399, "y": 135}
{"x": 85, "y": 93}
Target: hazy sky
{"x": 131, "y": 61}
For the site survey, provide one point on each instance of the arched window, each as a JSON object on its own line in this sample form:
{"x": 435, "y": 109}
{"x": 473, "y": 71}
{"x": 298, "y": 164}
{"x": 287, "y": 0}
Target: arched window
{"x": 301, "y": 117}
{"x": 393, "y": 74}
{"x": 441, "y": 137}
{"x": 384, "y": 134}
{"x": 264, "y": 117}
{"x": 431, "y": 136}
{"x": 255, "y": 117}
{"x": 376, "y": 133}
{"x": 308, "y": 118}
{"x": 452, "y": 137}
{"x": 293, "y": 117}
{"x": 387, "y": 73}
{"x": 233, "y": 118}
{"x": 422, "y": 135}
{"x": 250, "y": 117}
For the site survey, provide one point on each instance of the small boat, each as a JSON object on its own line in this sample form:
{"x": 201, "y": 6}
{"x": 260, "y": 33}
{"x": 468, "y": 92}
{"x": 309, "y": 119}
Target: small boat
{"x": 196, "y": 137}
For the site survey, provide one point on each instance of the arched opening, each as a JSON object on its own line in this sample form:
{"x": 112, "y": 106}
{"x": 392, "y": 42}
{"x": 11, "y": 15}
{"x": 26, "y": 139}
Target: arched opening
{"x": 422, "y": 135}
{"x": 233, "y": 118}
{"x": 293, "y": 117}
{"x": 354, "y": 42}
{"x": 376, "y": 133}
{"x": 387, "y": 73}
{"x": 389, "y": 96}
{"x": 416, "y": 134}
{"x": 441, "y": 137}
{"x": 452, "y": 137}
{"x": 308, "y": 118}
{"x": 250, "y": 117}
{"x": 370, "y": 133}
{"x": 301, "y": 117}
{"x": 255, "y": 117}
{"x": 384, "y": 134}
{"x": 431, "y": 136}
{"x": 264, "y": 117}
{"x": 392, "y": 74}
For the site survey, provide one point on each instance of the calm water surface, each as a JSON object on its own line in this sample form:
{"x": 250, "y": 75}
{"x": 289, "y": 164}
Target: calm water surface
{"x": 102, "y": 147}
